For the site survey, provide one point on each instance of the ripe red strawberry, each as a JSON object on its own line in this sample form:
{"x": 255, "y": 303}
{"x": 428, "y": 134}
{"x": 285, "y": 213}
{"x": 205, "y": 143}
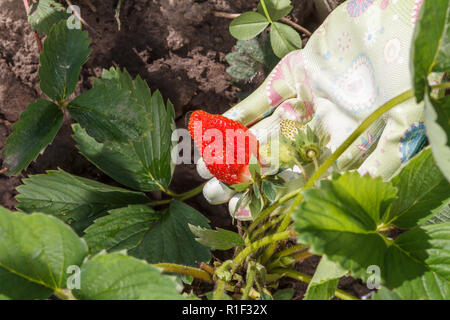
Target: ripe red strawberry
{"x": 225, "y": 145}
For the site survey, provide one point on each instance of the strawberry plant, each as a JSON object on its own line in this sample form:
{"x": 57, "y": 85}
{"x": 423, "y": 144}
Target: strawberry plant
{"x": 250, "y": 58}
{"x": 283, "y": 37}
{"x": 77, "y": 238}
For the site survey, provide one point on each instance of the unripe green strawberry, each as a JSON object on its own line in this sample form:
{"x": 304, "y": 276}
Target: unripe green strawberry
{"x": 285, "y": 152}
{"x": 307, "y": 143}
{"x": 290, "y": 129}
{"x": 309, "y": 152}
{"x": 265, "y": 153}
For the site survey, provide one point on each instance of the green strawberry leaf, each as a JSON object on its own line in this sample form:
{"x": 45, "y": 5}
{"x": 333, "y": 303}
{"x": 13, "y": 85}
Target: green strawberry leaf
{"x": 255, "y": 168}
{"x": 284, "y": 294}
{"x": 325, "y": 280}
{"x": 45, "y": 14}
{"x": 277, "y": 181}
{"x": 35, "y": 130}
{"x": 219, "y": 239}
{"x": 268, "y": 189}
{"x": 116, "y": 276}
{"x": 75, "y": 200}
{"x": 284, "y": 39}
{"x": 442, "y": 216}
{"x": 242, "y": 67}
{"x": 344, "y": 219}
{"x": 256, "y": 204}
{"x": 386, "y": 294}
{"x": 139, "y": 155}
{"x": 248, "y": 25}
{"x": 251, "y": 57}
{"x": 65, "y": 52}
{"x": 256, "y": 190}
{"x": 239, "y": 187}
{"x": 430, "y": 54}
{"x": 152, "y": 148}
{"x": 421, "y": 189}
{"x": 428, "y": 246}
{"x": 35, "y": 252}
{"x": 209, "y": 296}
{"x": 437, "y": 115}
{"x": 117, "y": 160}
{"x": 151, "y": 235}
{"x": 109, "y": 112}
{"x": 277, "y": 9}
{"x": 243, "y": 201}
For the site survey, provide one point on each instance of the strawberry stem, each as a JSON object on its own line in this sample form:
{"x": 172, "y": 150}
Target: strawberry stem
{"x": 312, "y": 155}
{"x": 266, "y": 12}
{"x": 329, "y": 162}
{"x": 269, "y": 224}
{"x": 187, "y": 195}
{"x": 180, "y": 197}
{"x": 220, "y": 290}
{"x": 266, "y": 213}
{"x": 64, "y": 294}
{"x": 251, "y": 277}
{"x": 307, "y": 279}
{"x": 274, "y": 238}
{"x": 445, "y": 85}
{"x": 298, "y": 164}
{"x": 193, "y": 272}
{"x": 38, "y": 39}
{"x": 291, "y": 250}
{"x": 293, "y": 258}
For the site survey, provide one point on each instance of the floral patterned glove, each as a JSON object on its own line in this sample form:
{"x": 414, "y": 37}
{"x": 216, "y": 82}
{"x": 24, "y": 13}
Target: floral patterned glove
{"x": 354, "y": 63}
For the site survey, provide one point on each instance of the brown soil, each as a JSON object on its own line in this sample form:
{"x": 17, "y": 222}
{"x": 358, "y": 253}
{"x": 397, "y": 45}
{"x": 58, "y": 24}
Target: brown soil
{"x": 177, "y": 46}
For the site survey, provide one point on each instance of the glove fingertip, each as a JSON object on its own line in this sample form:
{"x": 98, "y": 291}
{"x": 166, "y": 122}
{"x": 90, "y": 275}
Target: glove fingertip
{"x": 215, "y": 192}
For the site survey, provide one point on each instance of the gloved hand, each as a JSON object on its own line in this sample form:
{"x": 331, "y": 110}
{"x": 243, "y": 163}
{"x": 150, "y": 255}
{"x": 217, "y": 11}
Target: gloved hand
{"x": 354, "y": 63}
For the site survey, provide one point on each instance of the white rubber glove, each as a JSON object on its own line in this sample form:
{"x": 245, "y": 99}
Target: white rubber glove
{"x": 354, "y": 63}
